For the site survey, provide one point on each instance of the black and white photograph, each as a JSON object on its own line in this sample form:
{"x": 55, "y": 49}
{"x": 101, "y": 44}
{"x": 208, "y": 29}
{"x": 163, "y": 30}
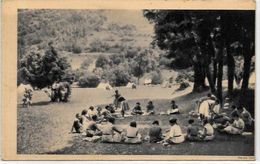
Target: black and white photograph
{"x": 136, "y": 82}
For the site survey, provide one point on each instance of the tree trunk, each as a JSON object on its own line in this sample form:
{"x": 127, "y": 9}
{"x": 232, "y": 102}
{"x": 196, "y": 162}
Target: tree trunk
{"x": 231, "y": 71}
{"x": 215, "y": 71}
{"x": 246, "y": 74}
{"x": 219, "y": 82}
{"x": 210, "y": 80}
{"x": 199, "y": 78}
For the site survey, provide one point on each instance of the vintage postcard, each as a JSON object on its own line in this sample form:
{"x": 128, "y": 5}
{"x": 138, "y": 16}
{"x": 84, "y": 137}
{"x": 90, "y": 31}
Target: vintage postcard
{"x": 128, "y": 80}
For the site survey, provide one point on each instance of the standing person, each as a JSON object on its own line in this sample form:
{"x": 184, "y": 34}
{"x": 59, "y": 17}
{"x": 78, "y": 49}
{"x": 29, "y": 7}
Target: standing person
{"x": 110, "y": 132}
{"x": 132, "y": 134}
{"x": 116, "y": 103}
{"x": 150, "y": 108}
{"x": 77, "y": 126}
{"x": 174, "y": 108}
{"x": 155, "y": 132}
{"x": 137, "y": 110}
{"x": 175, "y": 135}
{"x": 124, "y": 106}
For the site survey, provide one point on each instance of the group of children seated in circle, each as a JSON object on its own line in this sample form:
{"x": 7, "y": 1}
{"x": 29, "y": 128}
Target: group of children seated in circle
{"x": 99, "y": 123}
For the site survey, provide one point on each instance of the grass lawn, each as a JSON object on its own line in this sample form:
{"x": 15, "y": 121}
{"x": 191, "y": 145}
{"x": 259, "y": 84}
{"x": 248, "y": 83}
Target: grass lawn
{"x": 44, "y": 128}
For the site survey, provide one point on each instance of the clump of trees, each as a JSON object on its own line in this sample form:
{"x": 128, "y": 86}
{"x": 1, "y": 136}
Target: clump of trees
{"x": 205, "y": 40}
{"x": 41, "y": 69}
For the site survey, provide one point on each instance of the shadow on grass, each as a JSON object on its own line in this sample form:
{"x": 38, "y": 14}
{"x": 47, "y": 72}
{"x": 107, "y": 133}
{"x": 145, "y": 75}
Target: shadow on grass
{"x": 41, "y": 103}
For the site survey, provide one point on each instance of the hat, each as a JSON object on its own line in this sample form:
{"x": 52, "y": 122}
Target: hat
{"x": 121, "y": 99}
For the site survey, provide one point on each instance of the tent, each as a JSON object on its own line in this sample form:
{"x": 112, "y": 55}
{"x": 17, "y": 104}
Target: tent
{"x": 130, "y": 85}
{"x": 21, "y": 87}
{"x": 147, "y": 81}
{"x": 106, "y": 86}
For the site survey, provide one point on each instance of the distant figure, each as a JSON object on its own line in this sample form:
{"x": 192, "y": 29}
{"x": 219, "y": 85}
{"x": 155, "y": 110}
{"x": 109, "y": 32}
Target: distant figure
{"x": 92, "y": 128}
{"x": 192, "y": 131}
{"x": 132, "y": 134}
{"x": 174, "y": 108}
{"x": 77, "y": 126}
{"x": 150, "y": 108}
{"x": 116, "y": 103}
{"x": 175, "y": 135}
{"x": 155, "y": 133}
{"x": 111, "y": 133}
{"x": 226, "y": 104}
{"x": 124, "y": 106}
{"x": 208, "y": 133}
{"x": 27, "y": 99}
{"x": 237, "y": 127}
{"x": 137, "y": 110}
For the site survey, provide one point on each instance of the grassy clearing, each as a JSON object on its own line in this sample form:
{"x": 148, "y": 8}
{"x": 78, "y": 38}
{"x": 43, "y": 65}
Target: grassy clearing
{"x": 43, "y": 129}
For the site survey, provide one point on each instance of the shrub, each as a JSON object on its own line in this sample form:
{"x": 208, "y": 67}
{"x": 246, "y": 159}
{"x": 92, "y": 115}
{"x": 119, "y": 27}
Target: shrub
{"x": 156, "y": 77}
{"x": 89, "y": 80}
{"x": 118, "y": 76}
{"x": 98, "y": 46}
{"x": 76, "y": 49}
{"x": 102, "y": 61}
{"x": 165, "y": 62}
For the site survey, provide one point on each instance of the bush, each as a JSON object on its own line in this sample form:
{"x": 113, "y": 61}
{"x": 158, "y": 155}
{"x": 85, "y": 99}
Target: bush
{"x": 183, "y": 85}
{"x": 76, "y": 49}
{"x": 98, "y": 46}
{"x": 90, "y": 80}
{"x": 165, "y": 62}
{"x": 102, "y": 61}
{"x": 156, "y": 77}
{"x": 118, "y": 76}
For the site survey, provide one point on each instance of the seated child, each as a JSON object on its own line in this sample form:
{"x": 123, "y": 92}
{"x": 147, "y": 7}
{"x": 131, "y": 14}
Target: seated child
{"x": 208, "y": 131}
{"x": 110, "y": 108}
{"x": 175, "y": 135}
{"x": 150, "y": 108}
{"x": 236, "y": 127}
{"x": 137, "y": 109}
{"x": 83, "y": 118}
{"x": 110, "y": 132}
{"x": 192, "y": 131}
{"x": 77, "y": 126}
{"x": 174, "y": 108}
{"x": 216, "y": 109}
{"x": 246, "y": 117}
{"x": 155, "y": 132}
{"x": 91, "y": 112}
{"x": 132, "y": 135}
{"x": 92, "y": 128}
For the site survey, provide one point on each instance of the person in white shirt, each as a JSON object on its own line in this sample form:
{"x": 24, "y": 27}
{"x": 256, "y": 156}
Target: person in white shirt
{"x": 91, "y": 112}
{"x": 236, "y": 127}
{"x": 175, "y": 135}
{"x": 208, "y": 131}
{"x": 246, "y": 117}
{"x": 132, "y": 135}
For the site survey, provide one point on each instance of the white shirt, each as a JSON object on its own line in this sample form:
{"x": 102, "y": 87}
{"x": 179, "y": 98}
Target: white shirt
{"x": 175, "y": 131}
{"x": 209, "y": 129}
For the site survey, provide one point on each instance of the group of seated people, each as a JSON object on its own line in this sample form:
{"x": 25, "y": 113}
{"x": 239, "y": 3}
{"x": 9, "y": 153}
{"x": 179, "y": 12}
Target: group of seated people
{"x": 236, "y": 122}
{"x": 101, "y": 122}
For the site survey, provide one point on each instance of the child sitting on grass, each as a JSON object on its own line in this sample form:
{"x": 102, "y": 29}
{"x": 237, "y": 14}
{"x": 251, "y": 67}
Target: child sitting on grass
{"x": 77, "y": 126}
{"x": 137, "y": 109}
{"x": 192, "y": 131}
{"x": 132, "y": 134}
{"x": 155, "y": 133}
{"x": 174, "y": 108}
{"x": 150, "y": 108}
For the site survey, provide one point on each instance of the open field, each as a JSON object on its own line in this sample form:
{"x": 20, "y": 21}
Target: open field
{"x": 44, "y": 128}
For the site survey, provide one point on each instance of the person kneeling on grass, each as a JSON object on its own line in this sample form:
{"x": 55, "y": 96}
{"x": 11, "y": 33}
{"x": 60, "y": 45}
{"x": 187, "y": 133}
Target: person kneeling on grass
{"x": 208, "y": 133}
{"x": 175, "y": 135}
{"x": 236, "y": 127}
{"x": 132, "y": 135}
{"x": 193, "y": 132}
{"x": 137, "y": 109}
{"x": 92, "y": 128}
{"x": 77, "y": 126}
{"x": 155, "y": 133}
{"x": 174, "y": 108}
{"x": 110, "y": 133}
